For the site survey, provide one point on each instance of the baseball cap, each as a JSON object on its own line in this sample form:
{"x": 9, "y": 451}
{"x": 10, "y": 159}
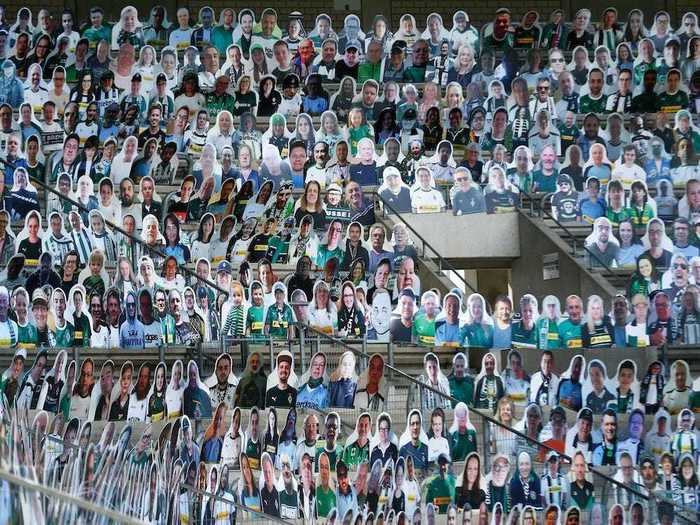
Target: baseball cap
{"x": 277, "y": 119}
{"x": 161, "y": 78}
{"x": 341, "y": 468}
{"x": 284, "y": 355}
{"x": 552, "y": 455}
{"x": 224, "y": 266}
{"x": 563, "y": 178}
{"x": 409, "y": 114}
{"x": 443, "y": 459}
{"x": 290, "y": 80}
{"x": 398, "y": 46}
{"x": 391, "y": 171}
{"x": 136, "y": 77}
{"x": 39, "y": 297}
{"x": 586, "y": 414}
{"x": 334, "y": 187}
{"x": 352, "y": 44}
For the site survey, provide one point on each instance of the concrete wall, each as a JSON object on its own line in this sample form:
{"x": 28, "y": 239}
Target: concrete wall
{"x": 526, "y": 272}
{"x": 466, "y": 237}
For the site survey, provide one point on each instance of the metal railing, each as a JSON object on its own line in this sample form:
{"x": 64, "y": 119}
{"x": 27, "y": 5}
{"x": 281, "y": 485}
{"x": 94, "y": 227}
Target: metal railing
{"x": 190, "y": 273}
{"x": 441, "y": 261}
{"x": 20, "y": 486}
{"x": 685, "y": 514}
{"x": 569, "y": 235}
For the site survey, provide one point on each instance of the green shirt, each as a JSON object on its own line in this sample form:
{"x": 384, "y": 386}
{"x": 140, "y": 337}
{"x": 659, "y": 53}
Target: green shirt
{"x": 524, "y": 182}
{"x": 414, "y": 74}
{"x": 462, "y": 389}
{"x": 369, "y": 71}
{"x": 27, "y": 335}
{"x": 279, "y": 320}
{"x": 167, "y": 325}
{"x": 523, "y": 338}
{"x": 587, "y": 104}
{"x": 423, "y": 331}
{"x": 333, "y": 455}
{"x": 95, "y": 35}
{"x": 325, "y": 501}
{"x": 490, "y": 42}
{"x": 216, "y": 104}
{"x": 570, "y": 334}
{"x": 441, "y": 492}
{"x": 255, "y": 322}
{"x": 64, "y": 336}
{"x": 355, "y": 454}
{"x": 673, "y": 103}
{"x": 477, "y": 335}
{"x": 81, "y": 335}
{"x": 547, "y": 334}
{"x": 461, "y": 445}
{"x": 324, "y": 255}
{"x": 616, "y": 217}
{"x": 221, "y": 38}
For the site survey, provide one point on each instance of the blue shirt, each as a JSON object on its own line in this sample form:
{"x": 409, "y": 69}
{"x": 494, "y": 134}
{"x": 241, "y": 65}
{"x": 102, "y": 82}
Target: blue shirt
{"x": 364, "y": 175}
{"x": 447, "y": 333}
{"x": 569, "y": 395}
{"x": 315, "y": 105}
{"x": 501, "y": 338}
{"x": 313, "y": 397}
{"x": 131, "y": 334}
{"x": 592, "y": 210}
{"x": 419, "y": 454}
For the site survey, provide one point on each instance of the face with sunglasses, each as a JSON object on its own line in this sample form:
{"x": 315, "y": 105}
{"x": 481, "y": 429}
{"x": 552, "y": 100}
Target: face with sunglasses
{"x": 680, "y": 272}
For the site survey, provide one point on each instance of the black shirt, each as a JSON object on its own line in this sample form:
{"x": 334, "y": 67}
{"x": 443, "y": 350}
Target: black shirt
{"x": 270, "y": 501}
{"x": 400, "y": 332}
{"x": 276, "y": 397}
{"x": 343, "y": 70}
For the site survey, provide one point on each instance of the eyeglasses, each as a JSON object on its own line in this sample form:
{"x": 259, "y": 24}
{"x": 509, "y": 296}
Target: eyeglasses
{"x": 681, "y": 266}
{"x": 542, "y": 88}
{"x": 556, "y": 60}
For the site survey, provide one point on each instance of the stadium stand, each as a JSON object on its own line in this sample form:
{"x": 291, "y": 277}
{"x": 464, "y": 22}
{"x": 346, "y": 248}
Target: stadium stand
{"x": 244, "y": 267}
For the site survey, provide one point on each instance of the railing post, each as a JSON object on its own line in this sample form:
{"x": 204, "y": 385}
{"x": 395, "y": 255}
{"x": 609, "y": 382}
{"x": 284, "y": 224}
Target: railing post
{"x": 302, "y": 352}
{"x": 161, "y": 353}
{"x": 272, "y": 353}
{"x": 200, "y": 357}
{"x": 486, "y": 434}
{"x": 390, "y": 355}
{"x": 663, "y": 357}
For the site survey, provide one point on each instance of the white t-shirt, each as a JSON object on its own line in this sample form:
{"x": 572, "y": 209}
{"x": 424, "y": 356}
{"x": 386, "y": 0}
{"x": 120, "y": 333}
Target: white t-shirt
{"x": 102, "y": 339}
{"x": 152, "y": 335}
{"x": 8, "y": 333}
{"x": 430, "y": 201}
{"x": 138, "y": 408}
{"x": 173, "y": 400}
{"x": 79, "y": 407}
